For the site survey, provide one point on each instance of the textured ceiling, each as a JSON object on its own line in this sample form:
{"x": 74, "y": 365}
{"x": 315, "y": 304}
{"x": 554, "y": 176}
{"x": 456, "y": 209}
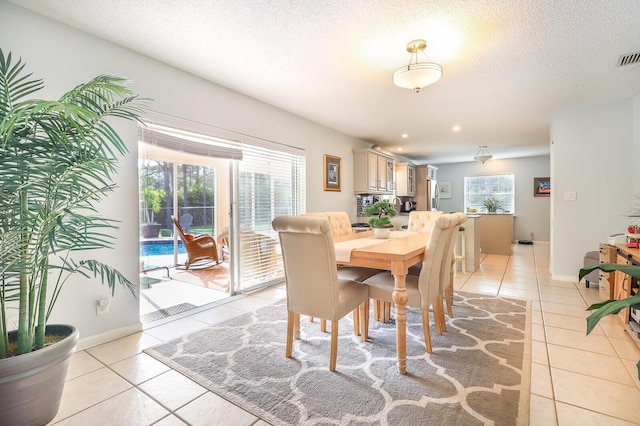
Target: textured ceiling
{"x": 507, "y": 64}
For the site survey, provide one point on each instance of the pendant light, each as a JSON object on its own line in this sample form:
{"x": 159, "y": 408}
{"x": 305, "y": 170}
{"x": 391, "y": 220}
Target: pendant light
{"x": 417, "y": 74}
{"x": 483, "y": 155}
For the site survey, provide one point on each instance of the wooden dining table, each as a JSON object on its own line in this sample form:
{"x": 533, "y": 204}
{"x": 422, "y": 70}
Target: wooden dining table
{"x": 396, "y": 254}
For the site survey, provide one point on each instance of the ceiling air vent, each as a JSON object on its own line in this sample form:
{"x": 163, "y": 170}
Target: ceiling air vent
{"x": 631, "y": 59}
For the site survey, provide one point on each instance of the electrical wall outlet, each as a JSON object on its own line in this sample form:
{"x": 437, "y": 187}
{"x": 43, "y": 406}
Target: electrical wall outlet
{"x": 102, "y": 306}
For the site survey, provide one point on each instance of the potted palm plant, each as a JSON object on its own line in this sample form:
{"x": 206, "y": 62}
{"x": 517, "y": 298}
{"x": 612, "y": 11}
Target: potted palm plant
{"x": 57, "y": 159}
{"x": 381, "y": 222}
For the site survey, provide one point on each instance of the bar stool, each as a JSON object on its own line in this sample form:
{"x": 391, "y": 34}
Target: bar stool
{"x": 462, "y": 256}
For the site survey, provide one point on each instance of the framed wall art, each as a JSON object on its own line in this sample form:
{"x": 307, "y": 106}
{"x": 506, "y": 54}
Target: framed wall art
{"x": 541, "y": 187}
{"x": 445, "y": 189}
{"x": 332, "y": 172}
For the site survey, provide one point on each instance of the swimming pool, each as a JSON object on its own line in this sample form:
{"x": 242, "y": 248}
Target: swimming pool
{"x": 158, "y": 248}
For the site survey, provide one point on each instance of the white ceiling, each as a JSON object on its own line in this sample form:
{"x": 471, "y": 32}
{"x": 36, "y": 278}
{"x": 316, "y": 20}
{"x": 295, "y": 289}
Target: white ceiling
{"x": 508, "y": 65}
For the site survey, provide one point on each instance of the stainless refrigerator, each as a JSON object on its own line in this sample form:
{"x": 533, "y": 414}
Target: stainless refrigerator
{"x": 433, "y": 195}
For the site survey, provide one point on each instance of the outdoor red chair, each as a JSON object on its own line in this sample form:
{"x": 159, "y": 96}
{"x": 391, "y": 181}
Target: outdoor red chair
{"x": 199, "y": 247}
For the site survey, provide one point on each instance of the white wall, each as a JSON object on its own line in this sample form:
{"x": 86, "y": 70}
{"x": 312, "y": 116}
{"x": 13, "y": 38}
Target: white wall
{"x": 532, "y": 214}
{"x": 593, "y": 152}
{"x": 65, "y": 57}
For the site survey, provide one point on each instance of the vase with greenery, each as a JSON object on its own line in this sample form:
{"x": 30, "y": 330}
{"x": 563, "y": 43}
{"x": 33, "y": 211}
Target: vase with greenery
{"x": 491, "y": 204}
{"x": 382, "y": 213}
{"x": 57, "y": 161}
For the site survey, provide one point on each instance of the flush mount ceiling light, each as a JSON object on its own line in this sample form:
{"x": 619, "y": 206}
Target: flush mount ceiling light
{"x": 417, "y": 74}
{"x": 483, "y": 155}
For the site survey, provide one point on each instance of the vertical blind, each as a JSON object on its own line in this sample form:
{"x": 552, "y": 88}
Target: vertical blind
{"x": 270, "y": 183}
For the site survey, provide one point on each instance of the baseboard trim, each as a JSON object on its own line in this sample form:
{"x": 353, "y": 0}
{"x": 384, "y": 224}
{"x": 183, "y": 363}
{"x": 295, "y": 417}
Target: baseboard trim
{"x": 108, "y": 336}
{"x": 570, "y": 278}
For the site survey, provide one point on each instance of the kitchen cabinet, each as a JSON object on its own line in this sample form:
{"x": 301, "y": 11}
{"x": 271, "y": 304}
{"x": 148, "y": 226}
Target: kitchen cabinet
{"x": 373, "y": 172}
{"x": 405, "y": 180}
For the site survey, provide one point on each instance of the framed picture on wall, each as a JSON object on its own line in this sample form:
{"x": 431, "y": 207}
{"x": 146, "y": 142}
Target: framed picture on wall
{"x": 332, "y": 171}
{"x": 445, "y": 188}
{"x": 541, "y": 187}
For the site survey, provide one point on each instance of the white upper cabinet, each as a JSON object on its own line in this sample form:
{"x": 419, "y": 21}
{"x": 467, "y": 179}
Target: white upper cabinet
{"x": 373, "y": 172}
{"x": 405, "y": 180}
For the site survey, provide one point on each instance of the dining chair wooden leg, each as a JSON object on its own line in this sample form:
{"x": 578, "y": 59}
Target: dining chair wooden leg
{"x": 438, "y": 312}
{"x": 449, "y": 294}
{"x": 323, "y": 325}
{"x": 311, "y": 318}
{"x": 376, "y": 310}
{"x": 442, "y": 319}
{"x": 425, "y": 330}
{"x": 296, "y": 326}
{"x": 334, "y": 345}
{"x": 449, "y": 299}
{"x": 356, "y": 321}
{"x": 364, "y": 320}
{"x": 387, "y": 311}
{"x": 290, "y": 326}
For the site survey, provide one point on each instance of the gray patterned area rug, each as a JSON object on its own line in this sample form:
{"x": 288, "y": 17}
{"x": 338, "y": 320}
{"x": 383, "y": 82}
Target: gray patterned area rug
{"x": 478, "y": 373}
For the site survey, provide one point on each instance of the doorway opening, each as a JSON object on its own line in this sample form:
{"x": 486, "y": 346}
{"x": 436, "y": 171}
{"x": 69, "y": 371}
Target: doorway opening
{"x": 188, "y": 192}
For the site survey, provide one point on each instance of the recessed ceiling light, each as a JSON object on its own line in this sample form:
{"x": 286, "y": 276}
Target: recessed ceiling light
{"x": 456, "y": 128}
{"x": 404, "y": 136}
{"x": 399, "y": 149}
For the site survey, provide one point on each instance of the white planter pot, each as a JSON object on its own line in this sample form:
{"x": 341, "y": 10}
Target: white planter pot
{"x": 31, "y": 384}
{"x": 381, "y": 232}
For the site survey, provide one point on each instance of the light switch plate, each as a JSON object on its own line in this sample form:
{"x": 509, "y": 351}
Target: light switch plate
{"x": 570, "y": 196}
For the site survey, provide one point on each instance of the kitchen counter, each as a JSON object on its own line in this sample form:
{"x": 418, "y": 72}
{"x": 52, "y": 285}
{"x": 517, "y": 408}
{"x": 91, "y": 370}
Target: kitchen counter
{"x": 496, "y": 233}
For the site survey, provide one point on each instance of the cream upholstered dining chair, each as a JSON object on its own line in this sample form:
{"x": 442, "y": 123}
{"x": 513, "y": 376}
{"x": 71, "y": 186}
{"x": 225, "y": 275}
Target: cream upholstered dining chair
{"x": 312, "y": 282}
{"x": 422, "y": 220}
{"x": 339, "y": 222}
{"x": 422, "y": 290}
{"x": 341, "y": 229}
{"x": 419, "y": 221}
{"x": 446, "y": 282}
{"x": 446, "y": 276}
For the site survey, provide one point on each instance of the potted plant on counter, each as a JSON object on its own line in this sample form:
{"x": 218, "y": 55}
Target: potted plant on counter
{"x": 491, "y": 204}
{"x": 57, "y": 160}
{"x": 381, "y": 222}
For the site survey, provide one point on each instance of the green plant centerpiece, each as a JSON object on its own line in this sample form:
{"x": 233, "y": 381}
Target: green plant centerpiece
{"x": 382, "y": 212}
{"x": 57, "y": 160}
{"x": 491, "y": 204}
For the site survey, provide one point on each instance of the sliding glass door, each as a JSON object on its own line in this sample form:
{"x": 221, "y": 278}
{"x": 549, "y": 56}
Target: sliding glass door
{"x": 186, "y": 191}
{"x": 231, "y": 190}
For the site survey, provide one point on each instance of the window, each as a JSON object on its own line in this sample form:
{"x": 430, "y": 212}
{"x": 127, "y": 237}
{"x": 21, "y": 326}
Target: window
{"x": 480, "y": 188}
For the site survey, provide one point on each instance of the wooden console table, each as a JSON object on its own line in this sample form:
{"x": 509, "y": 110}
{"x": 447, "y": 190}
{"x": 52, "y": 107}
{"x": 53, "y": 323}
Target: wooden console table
{"x": 625, "y": 285}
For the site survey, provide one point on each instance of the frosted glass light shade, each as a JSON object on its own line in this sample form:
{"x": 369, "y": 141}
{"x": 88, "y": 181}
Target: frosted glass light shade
{"x": 418, "y": 75}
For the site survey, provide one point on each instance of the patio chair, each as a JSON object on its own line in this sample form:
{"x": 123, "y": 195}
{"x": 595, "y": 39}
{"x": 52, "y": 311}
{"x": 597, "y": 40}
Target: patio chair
{"x": 185, "y": 222}
{"x": 199, "y": 248}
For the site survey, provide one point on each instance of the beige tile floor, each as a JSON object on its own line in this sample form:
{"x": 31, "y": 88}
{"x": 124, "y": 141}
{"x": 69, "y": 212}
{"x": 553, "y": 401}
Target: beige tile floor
{"x": 576, "y": 380}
